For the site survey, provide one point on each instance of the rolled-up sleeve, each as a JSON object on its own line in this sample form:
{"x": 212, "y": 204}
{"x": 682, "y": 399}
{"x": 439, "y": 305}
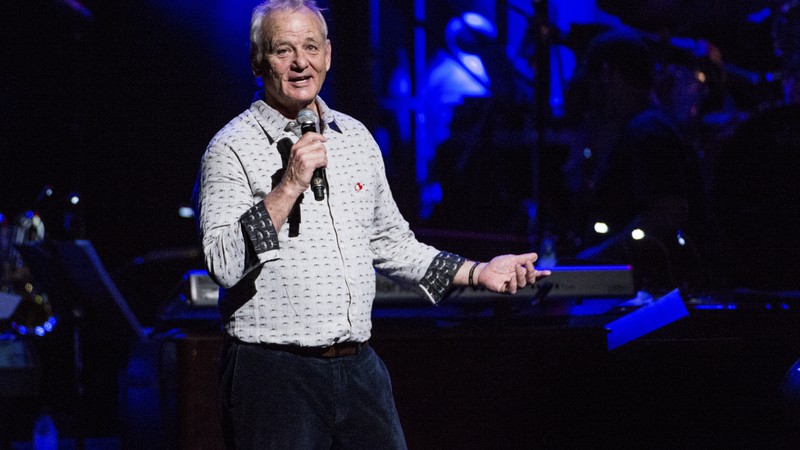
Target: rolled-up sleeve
{"x": 237, "y": 234}
{"x": 400, "y": 256}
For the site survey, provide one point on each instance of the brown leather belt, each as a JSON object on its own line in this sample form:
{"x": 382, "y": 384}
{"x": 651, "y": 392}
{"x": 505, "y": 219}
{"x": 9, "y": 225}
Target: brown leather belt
{"x": 333, "y": 351}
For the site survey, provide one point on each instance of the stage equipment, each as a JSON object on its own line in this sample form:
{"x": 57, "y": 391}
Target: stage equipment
{"x": 198, "y": 290}
{"x": 645, "y": 319}
{"x": 32, "y": 313}
{"x": 74, "y": 269}
{"x": 577, "y": 282}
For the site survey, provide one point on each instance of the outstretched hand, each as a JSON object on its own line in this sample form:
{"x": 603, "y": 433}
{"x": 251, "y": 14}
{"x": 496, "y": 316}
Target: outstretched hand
{"x": 508, "y": 273}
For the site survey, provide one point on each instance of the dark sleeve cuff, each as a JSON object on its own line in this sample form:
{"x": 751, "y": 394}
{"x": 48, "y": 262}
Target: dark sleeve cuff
{"x": 259, "y": 229}
{"x": 440, "y": 274}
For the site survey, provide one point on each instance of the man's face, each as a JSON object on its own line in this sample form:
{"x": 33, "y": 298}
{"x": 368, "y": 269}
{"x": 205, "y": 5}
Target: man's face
{"x": 297, "y": 59}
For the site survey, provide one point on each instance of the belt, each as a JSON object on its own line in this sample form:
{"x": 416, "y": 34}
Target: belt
{"x": 333, "y": 351}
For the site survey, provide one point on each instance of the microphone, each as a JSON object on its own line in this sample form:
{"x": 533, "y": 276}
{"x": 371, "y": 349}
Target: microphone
{"x": 308, "y": 122}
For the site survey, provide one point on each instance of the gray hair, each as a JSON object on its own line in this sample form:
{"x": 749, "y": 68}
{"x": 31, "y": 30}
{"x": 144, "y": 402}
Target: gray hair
{"x": 262, "y": 12}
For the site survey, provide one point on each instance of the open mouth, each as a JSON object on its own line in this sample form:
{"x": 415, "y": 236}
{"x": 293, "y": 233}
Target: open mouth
{"x": 299, "y": 79}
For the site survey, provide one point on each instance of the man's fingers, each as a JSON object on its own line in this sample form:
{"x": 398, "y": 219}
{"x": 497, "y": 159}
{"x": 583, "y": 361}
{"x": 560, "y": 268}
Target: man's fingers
{"x": 526, "y": 258}
{"x": 308, "y": 154}
{"x": 530, "y": 272}
{"x": 512, "y": 285}
{"x": 542, "y": 273}
{"x": 522, "y": 275}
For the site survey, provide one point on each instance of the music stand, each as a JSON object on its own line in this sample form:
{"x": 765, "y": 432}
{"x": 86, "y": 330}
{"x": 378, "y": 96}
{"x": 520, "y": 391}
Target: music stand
{"x": 8, "y": 304}
{"x": 74, "y": 268}
{"x": 102, "y": 325}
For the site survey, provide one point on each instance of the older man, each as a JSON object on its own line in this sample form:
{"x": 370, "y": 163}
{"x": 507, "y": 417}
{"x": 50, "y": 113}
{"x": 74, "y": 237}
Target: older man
{"x": 296, "y": 297}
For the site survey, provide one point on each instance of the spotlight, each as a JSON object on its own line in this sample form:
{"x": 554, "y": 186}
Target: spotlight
{"x": 637, "y": 234}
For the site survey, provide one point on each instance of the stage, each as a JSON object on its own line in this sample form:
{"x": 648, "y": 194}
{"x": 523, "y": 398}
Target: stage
{"x": 490, "y": 374}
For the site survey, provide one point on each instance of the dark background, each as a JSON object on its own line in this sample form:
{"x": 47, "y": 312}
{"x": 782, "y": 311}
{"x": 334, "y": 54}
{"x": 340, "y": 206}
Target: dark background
{"x": 120, "y": 106}
{"x": 117, "y": 108}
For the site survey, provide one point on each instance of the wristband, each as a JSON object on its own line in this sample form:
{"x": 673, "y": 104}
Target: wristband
{"x": 472, "y": 272}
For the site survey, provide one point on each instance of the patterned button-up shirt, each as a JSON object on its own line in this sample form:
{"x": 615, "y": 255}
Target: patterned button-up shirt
{"x": 315, "y": 288}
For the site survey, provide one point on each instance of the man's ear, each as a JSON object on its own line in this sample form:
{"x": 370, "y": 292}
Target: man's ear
{"x": 328, "y": 55}
{"x": 257, "y": 71}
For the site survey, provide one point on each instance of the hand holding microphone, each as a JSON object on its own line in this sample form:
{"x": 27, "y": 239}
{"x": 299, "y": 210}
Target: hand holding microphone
{"x": 309, "y": 122}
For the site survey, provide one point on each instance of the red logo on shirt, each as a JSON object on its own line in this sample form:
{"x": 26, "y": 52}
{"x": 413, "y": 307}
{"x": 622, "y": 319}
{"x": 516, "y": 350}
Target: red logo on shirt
{"x": 359, "y": 187}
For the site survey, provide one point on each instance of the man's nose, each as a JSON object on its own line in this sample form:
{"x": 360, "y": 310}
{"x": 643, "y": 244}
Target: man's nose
{"x": 300, "y": 59}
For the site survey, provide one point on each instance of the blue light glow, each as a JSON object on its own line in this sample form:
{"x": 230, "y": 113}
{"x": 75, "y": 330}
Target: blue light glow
{"x": 719, "y": 307}
{"x": 593, "y": 307}
{"x": 657, "y": 314}
{"x": 710, "y": 307}
{"x": 474, "y": 64}
{"x": 400, "y": 100}
{"x": 759, "y": 16}
{"x": 38, "y": 330}
{"x": 593, "y": 268}
{"x": 430, "y": 195}
{"x": 532, "y": 209}
{"x": 195, "y": 273}
{"x": 185, "y": 212}
{"x": 479, "y": 22}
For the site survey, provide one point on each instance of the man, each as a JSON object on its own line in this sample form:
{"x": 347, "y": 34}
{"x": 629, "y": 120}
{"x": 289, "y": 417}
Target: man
{"x": 296, "y": 296}
{"x": 633, "y": 167}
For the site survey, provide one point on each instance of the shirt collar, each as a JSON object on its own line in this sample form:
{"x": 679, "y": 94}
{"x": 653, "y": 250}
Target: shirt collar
{"x": 276, "y": 125}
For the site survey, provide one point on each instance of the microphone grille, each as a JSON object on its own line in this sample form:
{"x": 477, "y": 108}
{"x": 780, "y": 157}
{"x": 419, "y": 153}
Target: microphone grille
{"x": 307, "y": 116}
